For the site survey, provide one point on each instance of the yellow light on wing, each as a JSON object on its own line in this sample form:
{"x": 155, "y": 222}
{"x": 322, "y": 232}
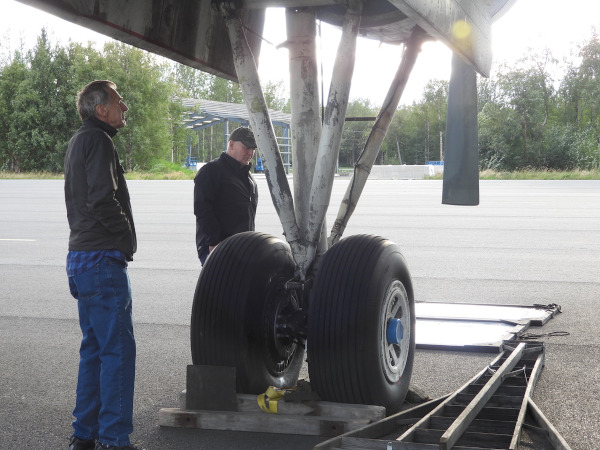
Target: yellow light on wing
{"x": 461, "y": 29}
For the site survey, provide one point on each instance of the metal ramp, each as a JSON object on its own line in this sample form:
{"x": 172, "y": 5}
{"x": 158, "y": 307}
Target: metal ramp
{"x": 488, "y": 412}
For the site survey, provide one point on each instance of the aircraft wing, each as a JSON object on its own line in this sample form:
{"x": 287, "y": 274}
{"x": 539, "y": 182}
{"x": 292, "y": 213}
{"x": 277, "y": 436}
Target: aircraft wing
{"x": 193, "y": 33}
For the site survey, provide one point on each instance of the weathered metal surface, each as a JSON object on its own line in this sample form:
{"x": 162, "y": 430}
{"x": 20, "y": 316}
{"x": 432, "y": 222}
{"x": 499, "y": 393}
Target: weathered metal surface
{"x": 193, "y": 33}
{"x": 333, "y": 123}
{"x": 190, "y": 32}
{"x": 463, "y": 25}
{"x": 365, "y": 162}
{"x": 304, "y": 101}
{"x": 380, "y": 21}
{"x": 263, "y": 131}
{"x": 392, "y": 21}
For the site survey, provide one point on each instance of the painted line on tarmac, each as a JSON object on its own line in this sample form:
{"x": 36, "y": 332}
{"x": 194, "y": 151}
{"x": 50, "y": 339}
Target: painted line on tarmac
{"x": 19, "y": 240}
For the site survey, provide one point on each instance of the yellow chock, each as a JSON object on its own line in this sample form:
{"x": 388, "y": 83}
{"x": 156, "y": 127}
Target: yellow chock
{"x": 268, "y": 401}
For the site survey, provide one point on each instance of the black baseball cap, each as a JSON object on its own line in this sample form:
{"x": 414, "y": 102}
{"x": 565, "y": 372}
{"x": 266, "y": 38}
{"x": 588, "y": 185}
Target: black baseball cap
{"x": 243, "y": 135}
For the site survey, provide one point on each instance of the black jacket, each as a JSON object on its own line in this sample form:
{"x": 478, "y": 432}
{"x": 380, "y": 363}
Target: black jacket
{"x": 96, "y": 195}
{"x": 225, "y": 200}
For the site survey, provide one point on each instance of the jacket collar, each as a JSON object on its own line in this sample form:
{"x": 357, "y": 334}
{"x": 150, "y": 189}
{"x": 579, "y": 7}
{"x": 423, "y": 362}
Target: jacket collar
{"x": 234, "y": 164}
{"x": 109, "y": 129}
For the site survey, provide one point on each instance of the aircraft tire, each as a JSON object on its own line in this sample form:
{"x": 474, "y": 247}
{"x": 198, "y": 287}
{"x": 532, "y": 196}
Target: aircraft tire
{"x": 361, "y": 285}
{"x": 238, "y": 299}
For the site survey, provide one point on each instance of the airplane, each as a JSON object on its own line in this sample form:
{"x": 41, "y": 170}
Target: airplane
{"x": 260, "y": 301}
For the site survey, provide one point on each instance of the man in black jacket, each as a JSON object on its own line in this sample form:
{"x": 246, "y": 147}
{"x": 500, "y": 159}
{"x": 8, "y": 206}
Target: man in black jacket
{"x": 225, "y": 194}
{"x": 101, "y": 242}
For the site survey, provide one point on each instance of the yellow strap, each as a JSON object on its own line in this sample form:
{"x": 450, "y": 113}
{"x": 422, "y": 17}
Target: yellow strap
{"x": 268, "y": 401}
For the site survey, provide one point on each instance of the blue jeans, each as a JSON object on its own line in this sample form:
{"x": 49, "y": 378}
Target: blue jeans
{"x": 104, "y": 405}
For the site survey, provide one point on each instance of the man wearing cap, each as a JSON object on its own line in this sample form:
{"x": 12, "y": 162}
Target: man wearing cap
{"x": 225, "y": 194}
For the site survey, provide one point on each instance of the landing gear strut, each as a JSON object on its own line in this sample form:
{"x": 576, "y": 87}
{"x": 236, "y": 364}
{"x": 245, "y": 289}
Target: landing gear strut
{"x": 254, "y": 305}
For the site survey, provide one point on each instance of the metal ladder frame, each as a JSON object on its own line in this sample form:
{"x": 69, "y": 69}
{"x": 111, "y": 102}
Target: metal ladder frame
{"x": 488, "y": 412}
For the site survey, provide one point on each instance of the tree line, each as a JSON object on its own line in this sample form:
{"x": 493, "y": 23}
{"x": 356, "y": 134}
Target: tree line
{"x": 528, "y": 119}
{"x": 38, "y": 116}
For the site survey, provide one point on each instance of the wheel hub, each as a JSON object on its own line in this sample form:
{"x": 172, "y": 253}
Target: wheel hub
{"x": 395, "y": 331}
{"x": 281, "y": 310}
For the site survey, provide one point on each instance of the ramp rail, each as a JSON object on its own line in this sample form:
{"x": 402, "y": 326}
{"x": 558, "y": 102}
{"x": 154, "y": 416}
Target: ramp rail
{"x": 489, "y": 412}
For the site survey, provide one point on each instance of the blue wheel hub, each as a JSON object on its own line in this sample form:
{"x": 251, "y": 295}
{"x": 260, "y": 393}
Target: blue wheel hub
{"x": 394, "y": 332}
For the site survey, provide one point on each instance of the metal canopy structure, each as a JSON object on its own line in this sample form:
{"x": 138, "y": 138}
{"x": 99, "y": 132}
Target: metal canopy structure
{"x": 202, "y": 114}
{"x": 206, "y": 113}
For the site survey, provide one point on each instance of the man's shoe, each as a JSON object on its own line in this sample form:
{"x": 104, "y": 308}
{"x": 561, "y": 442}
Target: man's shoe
{"x": 100, "y": 446}
{"x": 76, "y": 443}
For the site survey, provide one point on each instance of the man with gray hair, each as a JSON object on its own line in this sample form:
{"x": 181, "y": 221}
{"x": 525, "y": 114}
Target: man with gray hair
{"x": 101, "y": 242}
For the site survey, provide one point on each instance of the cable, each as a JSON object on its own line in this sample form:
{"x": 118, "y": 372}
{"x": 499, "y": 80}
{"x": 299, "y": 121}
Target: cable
{"x": 526, "y": 336}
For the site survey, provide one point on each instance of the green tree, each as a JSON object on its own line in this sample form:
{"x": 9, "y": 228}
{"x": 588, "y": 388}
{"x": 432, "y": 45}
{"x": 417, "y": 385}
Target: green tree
{"x": 498, "y": 135}
{"x": 434, "y": 106}
{"x": 87, "y": 64}
{"x": 181, "y": 136}
{"x": 527, "y": 91}
{"x": 589, "y": 77}
{"x": 275, "y": 97}
{"x": 416, "y": 134}
{"x": 38, "y": 113}
{"x": 523, "y": 121}
{"x": 407, "y": 133}
{"x": 222, "y": 90}
{"x": 11, "y": 77}
{"x": 355, "y": 133}
{"x": 42, "y": 110}
{"x": 139, "y": 78}
{"x": 190, "y": 82}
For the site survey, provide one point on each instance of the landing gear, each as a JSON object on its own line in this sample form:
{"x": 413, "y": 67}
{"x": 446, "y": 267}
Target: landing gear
{"x": 359, "y": 315}
{"x": 241, "y": 309}
{"x": 361, "y": 324}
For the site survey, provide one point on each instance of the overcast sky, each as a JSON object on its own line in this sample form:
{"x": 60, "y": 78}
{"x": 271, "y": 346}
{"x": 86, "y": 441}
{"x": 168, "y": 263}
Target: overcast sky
{"x": 528, "y": 25}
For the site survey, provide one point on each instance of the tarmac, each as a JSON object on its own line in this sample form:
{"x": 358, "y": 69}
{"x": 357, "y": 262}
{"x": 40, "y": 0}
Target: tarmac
{"x": 528, "y": 242}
